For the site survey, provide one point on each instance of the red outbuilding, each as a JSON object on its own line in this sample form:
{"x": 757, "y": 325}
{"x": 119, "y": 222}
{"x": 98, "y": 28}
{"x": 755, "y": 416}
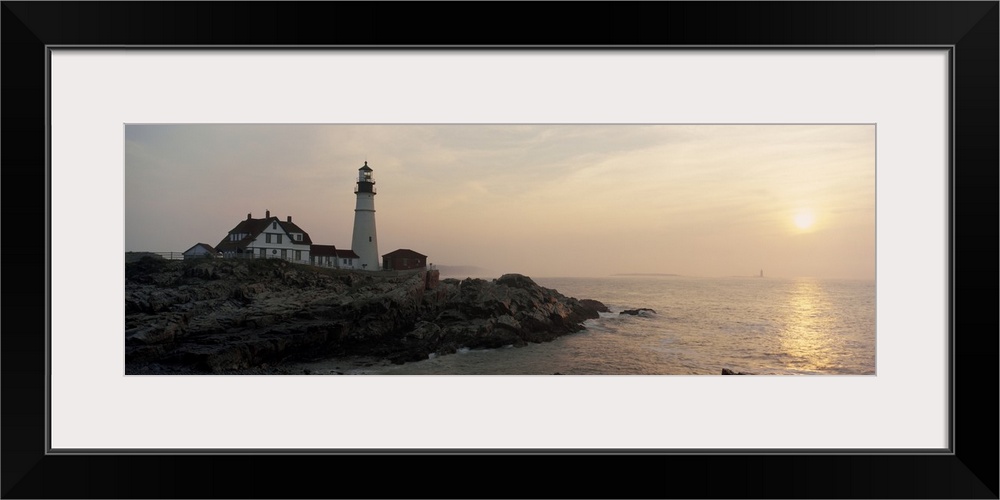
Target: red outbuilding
{"x": 403, "y": 259}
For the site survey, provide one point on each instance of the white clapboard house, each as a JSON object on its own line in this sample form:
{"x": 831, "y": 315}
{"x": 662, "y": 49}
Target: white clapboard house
{"x": 267, "y": 238}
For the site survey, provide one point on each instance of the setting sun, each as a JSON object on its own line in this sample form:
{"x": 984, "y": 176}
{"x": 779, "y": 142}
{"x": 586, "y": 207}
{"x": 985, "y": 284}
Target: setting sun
{"x": 804, "y": 219}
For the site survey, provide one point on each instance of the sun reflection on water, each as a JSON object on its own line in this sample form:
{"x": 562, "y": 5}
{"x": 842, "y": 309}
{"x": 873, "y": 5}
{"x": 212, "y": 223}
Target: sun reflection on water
{"x": 806, "y": 336}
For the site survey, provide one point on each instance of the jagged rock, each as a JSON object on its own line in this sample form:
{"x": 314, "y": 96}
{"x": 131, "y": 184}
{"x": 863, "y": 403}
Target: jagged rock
{"x": 642, "y": 311}
{"x": 206, "y": 271}
{"x": 231, "y": 315}
{"x": 516, "y": 281}
{"x": 595, "y": 305}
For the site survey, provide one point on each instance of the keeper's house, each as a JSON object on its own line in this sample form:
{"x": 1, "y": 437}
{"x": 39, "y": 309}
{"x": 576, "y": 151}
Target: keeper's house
{"x": 267, "y": 238}
{"x": 403, "y": 259}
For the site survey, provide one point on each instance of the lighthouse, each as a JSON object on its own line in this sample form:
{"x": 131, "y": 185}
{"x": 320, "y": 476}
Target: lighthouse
{"x": 365, "y": 241}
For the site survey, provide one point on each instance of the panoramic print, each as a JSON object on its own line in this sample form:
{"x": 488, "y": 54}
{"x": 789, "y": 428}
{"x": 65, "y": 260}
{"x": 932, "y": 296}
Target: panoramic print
{"x": 562, "y": 249}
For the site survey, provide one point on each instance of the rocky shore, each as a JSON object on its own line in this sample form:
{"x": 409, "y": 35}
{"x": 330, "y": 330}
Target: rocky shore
{"x": 253, "y": 316}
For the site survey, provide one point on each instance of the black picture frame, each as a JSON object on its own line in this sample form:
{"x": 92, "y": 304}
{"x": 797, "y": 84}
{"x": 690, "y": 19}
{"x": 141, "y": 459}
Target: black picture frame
{"x": 970, "y": 29}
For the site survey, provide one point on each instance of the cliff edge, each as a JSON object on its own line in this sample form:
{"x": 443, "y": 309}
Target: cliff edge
{"x": 221, "y": 316}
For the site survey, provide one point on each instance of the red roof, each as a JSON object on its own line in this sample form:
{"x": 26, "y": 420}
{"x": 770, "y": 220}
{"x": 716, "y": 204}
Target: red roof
{"x": 347, "y": 254}
{"x": 322, "y": 250}
{"x": 332, "y": 251}
{"x": 405, "y": 253}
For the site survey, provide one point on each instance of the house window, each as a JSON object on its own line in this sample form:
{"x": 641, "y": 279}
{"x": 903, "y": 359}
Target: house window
{"x": 279, "y": 238}
{"x": 284, "y": 253}
{"x": 298, "y": 255}
{"x": 267, "y": 237}
{"x": 263, "y": 253}
{"x": 345, "y": 261}
{"x": 369, "y": 239}
{"x": 298, "y": 237}
{"x": 274, "y": 225}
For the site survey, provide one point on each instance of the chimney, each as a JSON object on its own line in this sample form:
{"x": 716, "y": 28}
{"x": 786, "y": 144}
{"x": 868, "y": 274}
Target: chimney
{"x": 248, "y": 215}
{"x": 289, "y": 218}
{"x": 267, "y": 214}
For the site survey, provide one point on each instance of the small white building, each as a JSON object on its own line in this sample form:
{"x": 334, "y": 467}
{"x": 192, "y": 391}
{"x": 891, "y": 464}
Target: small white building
{"x": 347, "y": 259}
{"x": 201, "y": 250}
{"x": 331, "y": 256}
{"x": 267, "y": 238}
{"x": 323, "y": 255}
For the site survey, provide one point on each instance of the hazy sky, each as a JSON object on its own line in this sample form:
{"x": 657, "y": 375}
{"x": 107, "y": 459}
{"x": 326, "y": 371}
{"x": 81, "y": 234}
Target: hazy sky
{"x": 542, "y": 200}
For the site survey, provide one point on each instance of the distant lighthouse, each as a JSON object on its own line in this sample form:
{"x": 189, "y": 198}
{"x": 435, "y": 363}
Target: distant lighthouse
{"x": 365, "y": 241}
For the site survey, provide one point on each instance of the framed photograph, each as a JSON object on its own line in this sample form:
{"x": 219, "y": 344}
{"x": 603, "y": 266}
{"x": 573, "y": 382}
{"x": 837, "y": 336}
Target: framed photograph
{"x": 637, "y": 203}
{"x": 853, "y": 124}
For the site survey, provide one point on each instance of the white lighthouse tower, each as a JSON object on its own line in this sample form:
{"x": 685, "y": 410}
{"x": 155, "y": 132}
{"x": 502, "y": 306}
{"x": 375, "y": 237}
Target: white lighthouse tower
{"x": 365, "y": 241}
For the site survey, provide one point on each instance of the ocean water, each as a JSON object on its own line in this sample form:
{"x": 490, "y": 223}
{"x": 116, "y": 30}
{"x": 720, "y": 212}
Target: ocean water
{"x": 767, "y": 326}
